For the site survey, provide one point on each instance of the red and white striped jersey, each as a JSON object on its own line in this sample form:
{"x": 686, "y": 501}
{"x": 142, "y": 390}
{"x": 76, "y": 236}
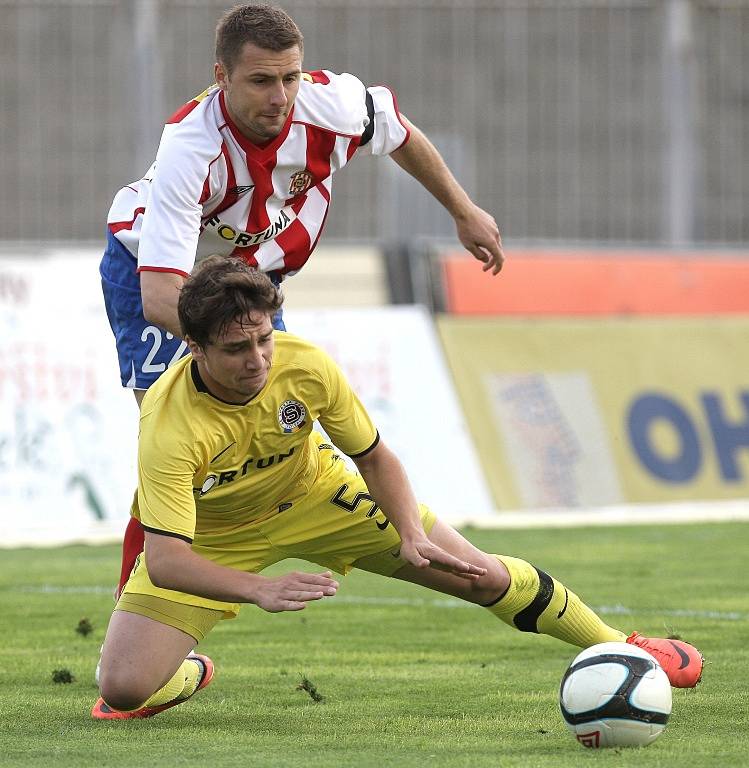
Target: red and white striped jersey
{"x": 212, "y": 191}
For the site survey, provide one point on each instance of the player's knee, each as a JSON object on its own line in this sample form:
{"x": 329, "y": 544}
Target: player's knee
{"x": 122, "y": 693}
{"x": 492, "y": 585}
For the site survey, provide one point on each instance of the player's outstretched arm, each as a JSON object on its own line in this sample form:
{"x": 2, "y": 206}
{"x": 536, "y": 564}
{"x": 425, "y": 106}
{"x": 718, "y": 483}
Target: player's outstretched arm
{"x": 388, "y": 484}
{"x": 173, "y": 565}
{"x": 477, "y": 230}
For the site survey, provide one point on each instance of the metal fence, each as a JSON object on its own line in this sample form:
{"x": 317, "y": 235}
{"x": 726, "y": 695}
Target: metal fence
{"x": 625, "y": 121}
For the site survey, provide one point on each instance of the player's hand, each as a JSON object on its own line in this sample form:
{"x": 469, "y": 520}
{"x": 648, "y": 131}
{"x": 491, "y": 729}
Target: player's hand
{"x": 479, "y": 234}
{"x": 422, "y": 553}
{"x": 292, "y": 591}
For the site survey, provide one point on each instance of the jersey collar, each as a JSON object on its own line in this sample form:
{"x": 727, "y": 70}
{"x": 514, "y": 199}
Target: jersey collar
{"x": 255, "y": 150}
{"x": 200, "y": 386}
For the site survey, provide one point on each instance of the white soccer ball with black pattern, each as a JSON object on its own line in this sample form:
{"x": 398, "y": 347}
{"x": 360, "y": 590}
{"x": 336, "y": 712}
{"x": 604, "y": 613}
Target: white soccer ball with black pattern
{"x": 615, "y": 695}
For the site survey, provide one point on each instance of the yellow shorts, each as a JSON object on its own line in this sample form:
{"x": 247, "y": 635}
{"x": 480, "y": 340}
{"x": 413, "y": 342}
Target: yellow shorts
{"x": 194, "y": 620}
{"x": 337, "y": 526}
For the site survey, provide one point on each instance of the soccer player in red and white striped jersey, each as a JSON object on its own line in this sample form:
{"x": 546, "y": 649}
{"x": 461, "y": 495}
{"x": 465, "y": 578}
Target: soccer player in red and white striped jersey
{"x": 245, "y": 170}
{"x": 218, "y": 187}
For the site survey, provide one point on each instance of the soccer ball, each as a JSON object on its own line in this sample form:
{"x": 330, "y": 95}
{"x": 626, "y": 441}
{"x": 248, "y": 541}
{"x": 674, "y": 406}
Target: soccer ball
{"x": 615, "y": 695}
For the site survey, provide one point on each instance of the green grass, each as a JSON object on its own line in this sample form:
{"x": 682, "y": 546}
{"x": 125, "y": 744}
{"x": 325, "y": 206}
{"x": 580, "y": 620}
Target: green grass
{"x": 409, "y": 677}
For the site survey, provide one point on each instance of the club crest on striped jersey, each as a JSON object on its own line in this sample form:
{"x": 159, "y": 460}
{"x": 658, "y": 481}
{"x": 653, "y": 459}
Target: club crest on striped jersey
{"x": 300, "y": 182}
{"x": 291, "y": 416}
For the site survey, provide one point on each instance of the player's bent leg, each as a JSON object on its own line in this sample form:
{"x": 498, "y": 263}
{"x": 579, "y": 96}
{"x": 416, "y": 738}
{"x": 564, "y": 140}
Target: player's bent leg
{"x": 140, "y": 656}
{"x": 146, "y": 664}
{"x": 194, "y": 674}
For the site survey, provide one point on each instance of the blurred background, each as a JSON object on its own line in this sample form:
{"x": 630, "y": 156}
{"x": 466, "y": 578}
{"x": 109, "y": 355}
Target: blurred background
{"x": 572, "y": 120}
{"x": 605, "y": 367}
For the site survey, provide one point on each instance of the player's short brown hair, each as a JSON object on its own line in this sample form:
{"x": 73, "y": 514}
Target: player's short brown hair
{"x": 221, "y": 290}
{"x": 266, "y": 26}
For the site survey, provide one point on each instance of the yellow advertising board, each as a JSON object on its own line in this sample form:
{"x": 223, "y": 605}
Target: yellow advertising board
{"x": 589, "y": 412}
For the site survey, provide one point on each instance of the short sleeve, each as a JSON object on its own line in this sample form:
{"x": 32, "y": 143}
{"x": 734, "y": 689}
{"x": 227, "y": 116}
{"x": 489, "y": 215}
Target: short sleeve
{"x": 389, "y": 132}
{"x": 166, "y": 467}
{"x": 345, "y": 419}
{"x": 180, "y": 177}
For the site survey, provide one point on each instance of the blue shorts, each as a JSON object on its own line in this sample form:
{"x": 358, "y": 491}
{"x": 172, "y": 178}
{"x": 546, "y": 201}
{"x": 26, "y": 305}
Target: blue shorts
{"x": 144, "y": 350}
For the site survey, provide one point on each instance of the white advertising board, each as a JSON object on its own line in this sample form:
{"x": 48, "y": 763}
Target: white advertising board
{"x": 68, "y": 431}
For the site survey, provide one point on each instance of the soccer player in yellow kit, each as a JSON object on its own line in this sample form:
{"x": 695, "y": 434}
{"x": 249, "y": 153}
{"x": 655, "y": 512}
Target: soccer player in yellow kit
{"x": 232, "y": 478}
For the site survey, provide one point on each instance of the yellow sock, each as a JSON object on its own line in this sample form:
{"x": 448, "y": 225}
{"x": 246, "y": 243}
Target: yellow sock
{"x": 535, "y": 602}
{"x": 193, "y": 675}
{"x": 180, "y": 686}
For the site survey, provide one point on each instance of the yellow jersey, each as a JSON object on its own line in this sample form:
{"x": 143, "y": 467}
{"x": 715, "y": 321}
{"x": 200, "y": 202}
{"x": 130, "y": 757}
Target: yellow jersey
{"x": 208, "y": 467}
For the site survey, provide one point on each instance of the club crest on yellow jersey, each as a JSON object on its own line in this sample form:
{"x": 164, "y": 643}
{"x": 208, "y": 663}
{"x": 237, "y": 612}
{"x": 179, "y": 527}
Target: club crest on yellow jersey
{"x": 291, "y": 416}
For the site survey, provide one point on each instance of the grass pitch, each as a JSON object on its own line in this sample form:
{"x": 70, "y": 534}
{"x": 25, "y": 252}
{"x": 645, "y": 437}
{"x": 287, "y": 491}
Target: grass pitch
{"x": 407, "y": 677}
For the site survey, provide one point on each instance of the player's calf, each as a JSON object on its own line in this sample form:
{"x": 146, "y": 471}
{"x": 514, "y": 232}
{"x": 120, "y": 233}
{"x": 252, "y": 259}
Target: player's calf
{"x": 536, "y": 602}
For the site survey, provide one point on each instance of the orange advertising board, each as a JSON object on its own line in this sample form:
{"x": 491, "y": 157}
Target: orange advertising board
{"x": 601, "y": 282}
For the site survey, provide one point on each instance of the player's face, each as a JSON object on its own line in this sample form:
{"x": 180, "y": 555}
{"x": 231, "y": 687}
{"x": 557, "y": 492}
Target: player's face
{"x": 235, "y": 367}
{"x": 261, "y": 89}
